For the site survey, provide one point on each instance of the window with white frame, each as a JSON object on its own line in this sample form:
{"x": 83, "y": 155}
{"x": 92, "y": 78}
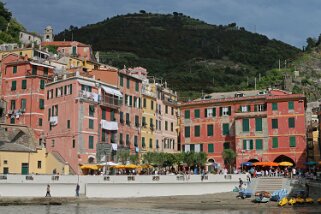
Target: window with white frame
{"x": 225, "y": 111}
{"x": 209, "y": 112}
{"x": 244, "y": 109}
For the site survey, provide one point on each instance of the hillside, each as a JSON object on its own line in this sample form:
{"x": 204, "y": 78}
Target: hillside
{"x": 193, "y": 56}
{"x": 9, "y": 27}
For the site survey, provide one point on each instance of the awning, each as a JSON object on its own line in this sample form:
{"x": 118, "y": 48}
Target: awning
{"x": 112, "y": 91}
{"x": 83, "y": 82}
{"x": 90, "y": 166}
{"x": 109, "y": 125}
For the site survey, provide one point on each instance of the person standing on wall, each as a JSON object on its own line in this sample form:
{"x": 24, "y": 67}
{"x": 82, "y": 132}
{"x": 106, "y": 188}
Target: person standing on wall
{"x": 48, "y": 191}
{"x": 77, "y": 190}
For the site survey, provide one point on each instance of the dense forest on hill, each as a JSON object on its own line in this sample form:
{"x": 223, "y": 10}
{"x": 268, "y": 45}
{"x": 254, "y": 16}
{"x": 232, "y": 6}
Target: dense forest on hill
{"x": 9, "y": 27}
{"x": 193, "y": 56}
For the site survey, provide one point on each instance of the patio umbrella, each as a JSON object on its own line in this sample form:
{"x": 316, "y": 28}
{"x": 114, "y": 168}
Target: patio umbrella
{"x": 285, "y": 163}
{"x": 108, "y": 164}
{"x": 247, "y": 164}
{"x": 90, "y": 166}
{"x": 310, "y": 163}
{"x": 118, "y": 167}
{"x": 131, "y": 166}
{"x": 265, "y": 164}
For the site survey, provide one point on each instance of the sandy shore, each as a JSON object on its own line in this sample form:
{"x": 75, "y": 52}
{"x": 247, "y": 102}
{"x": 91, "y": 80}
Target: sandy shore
{"x": 221, "y": 201}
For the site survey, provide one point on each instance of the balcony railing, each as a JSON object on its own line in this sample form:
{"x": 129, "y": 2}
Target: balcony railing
{"x": 88, "y": 96}
{"x": 250, "y": 114}
{"x": 148, "y": 93}
{"x": 111, "y": 101}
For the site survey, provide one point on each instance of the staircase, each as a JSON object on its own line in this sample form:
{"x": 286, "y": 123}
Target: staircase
{"x": 268, "y": 184}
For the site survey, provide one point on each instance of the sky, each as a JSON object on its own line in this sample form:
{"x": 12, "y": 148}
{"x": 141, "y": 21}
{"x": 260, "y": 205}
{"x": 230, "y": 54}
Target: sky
{"x": 291, "y": 21}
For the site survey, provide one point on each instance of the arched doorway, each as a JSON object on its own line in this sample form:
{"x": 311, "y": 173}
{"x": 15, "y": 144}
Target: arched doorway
{"x": 253, "y": 160}
{"x": 91, "y": 160}
{"x": 211, "y": 160}
{"x": 283, "y": 158}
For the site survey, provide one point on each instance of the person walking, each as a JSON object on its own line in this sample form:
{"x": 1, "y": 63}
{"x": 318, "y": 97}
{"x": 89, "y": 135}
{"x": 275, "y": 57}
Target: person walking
{"x": 48, "y": 191}
{"x": 77, "y": 190}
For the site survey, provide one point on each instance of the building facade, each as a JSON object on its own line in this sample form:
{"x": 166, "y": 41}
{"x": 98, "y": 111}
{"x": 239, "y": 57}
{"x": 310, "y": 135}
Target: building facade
{"x": 257, "y": 125}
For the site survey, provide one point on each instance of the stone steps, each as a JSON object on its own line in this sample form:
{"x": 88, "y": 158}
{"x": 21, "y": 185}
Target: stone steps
{"x": 269, "y": 184}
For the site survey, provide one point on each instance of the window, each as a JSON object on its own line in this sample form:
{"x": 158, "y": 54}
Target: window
{"x": 45, "y": 71}
{"x": 157, "y": 144}
{"x": 187, "y": 132}
{"x": 23, "y": 104}
{"x": 39, "y": 121}
{"x": 143, "y": 142}
{"x": 91, "y": 124}
{"x": 210, "y": 148}
{"x": 172, "y": 126}
{"x": 73, "y": 143}
{"x": 226, "y": 145}
{"x": 41, "y": 103}
{"x": 274, "y": 106}
{"x": 128, "y": 83}
{"x": 150, "y": 143}
{"x": 151, "y": 123}
{"x": 187, "y": 114}
{"x": 258, "y": 124}
{"x": 13, "y": 85}
{"x": 197, "y": 113}
{"x": 74, "y": 50}
{"x": 210, "y": 112}
{"x": 12, "y": 120}
{"x": 121, "y": 81}
{"x": 291, "y": 122}
{"x": 245, "y": 108}
{"x": 248, "y": 144}
{"x": 13, "y": 104}
{"x": 226, "y": 129}
{"x": 68, "y": 124}
{"x": 172, "y": 111}
{"x": 292, "y": 141}
{"x": 258, "y": 144}
{"x": 52, "y": 143}
{"x": 24, "y": 84}
{"x": 210, "y": 129}
{"x": 39, "y": 164}
{"x": 121, "y": 140}
{"x": 135, "y": 141}
{"x": 14, "y": 69}
{"x": 291, "y": 105}
{"x": 144, "y": 121}
{"x": 121, "y": 117}
{"x": 136, "y": 86}
{"x": 127, "y": 119}
{"x": 225, "y": 111}
{"x": 91, "y": 142}
{"x": 136, "y": 121}
{"x": 127, "y": 140}
{"x": 91, "y": 110}
{"x": 103, "y": 114}
{"x": 275, "y": 124}
{"x": 34, "y": 70}
{"x": 197, "y": 131}
{"x": 260, "y": 107}
{"x": 144, "y": 102}
{"x": 166, "y": 125}
{"x": 166, "y": 110}
{"x": 152, "y": 104}
{"x": 112, "y": 115}
{"x": 275, "y": 142}
{"x": 246, "y": 125}
{"x": 42, "y": 84}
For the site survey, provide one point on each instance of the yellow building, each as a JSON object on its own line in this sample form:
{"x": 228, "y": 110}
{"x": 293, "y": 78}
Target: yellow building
{"x": 29, "y": 52}
{"x": 316, "y": 147}
{"x": 148, "y": 117}
{"x": 73, "y": 62}
{"x": 20, "y": 153}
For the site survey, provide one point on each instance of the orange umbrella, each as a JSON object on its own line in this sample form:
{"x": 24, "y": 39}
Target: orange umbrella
{"x": 265, "y": 164}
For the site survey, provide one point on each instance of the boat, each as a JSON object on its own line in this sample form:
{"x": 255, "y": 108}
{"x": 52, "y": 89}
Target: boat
{"x": 262, "y": 197}
{"x": 283, "y": 201}
{"x": 299, "y": 200}
{"x": 309, "y": 200}
{"x": 292, "y": 201}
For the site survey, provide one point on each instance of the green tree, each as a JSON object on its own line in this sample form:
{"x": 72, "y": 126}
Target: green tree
{"x": 122, "y": 155}
{"x": 188, "y": 158}
{"x": 134, "y": 159}
{"x": 229, "y": 157}
{"x": 200, "y": 158}
{"x": 148, "y": 157}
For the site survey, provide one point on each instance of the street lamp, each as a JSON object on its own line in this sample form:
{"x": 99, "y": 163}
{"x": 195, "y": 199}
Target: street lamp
{"x": 242, "y": 159}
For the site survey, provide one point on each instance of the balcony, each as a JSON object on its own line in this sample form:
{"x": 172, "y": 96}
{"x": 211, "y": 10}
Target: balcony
{"x": 111, "y": 101}
{"x": 250, "y": 114}
{"x": 170, "y": 102}
{"x": 88, "y": 96}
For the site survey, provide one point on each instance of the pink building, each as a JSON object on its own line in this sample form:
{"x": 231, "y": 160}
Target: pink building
{"x": 81, "y": 114}
{"x": 23, "y": 90}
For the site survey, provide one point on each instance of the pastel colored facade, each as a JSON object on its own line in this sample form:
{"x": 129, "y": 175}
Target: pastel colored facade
{"x": 130, "y": 115}
{"x": 80, "y": 112}
{"x": 76, "y": 63}
{"x": 30, "y": 53}
{"x": 23, "y": 90}
{"x": 166, "y": 132}
{"x": 257, "y": 125}
{"x": 71, "y": 48}
{"x": 107, "y": 75}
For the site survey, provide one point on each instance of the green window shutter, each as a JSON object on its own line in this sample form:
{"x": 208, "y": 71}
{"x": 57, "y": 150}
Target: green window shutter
{"x": 40, "y": 121}
{"x": 143, "y": 142}
{"x": 229, "y": 110}
{"x": 258, "y": 124}
{"x": 23, "y": 104}
{"x": 42, "y": 84}
{"x": 121, "y": 117}
{"x": 74, "y": 50}
{"x": 259, "y": 144}
{"x": 41, "y": 103}
{"x": 210, "y": 148}
{"x": 246, "y": 125}
{"x": 210, "y": 129}
{"x": 130, "y": 100}
{"x": 112, "y": 115}
{"x": 214, "y": 112}
{"x": 226, "y": 145}
{"x": 187, "y": 114}
{"x": 68, "y": 124}
{"x": 275, "y": 124}
{"x": 103, "y": 114}
{"x": 91, "y": 142}
{"x": 24, "y": 84}
{"x": 197, "y": 113}
{"x": 205, "y": 113}
{"x": 144, "y": 102}
{"x": 128, "y": 83}
{"x": 34, "y": 70}
{"x": 127, "y": 139}
{"x": 91, "y": 110}
{"x": 135, "y": 141}
{"x": 70, "y": 88}
{"x": 292, "y": 141}
{"x": 197, "y": 131}
{"x": 14, "y": 69}
{"x": 251, "y": 144}
{"x": 45, "y": 71}
{"x": 274, "y": 106}
{"x": 226, "y": 129}
{"x": 291, "y": 105}
{"x": 221, "y": 111}
{"x": 192, "y": 147}
{"x": 13, "y": 85}
{"x": 244, "y": 145}
{"x": 121, "y": 81}
{"x": 91, "y": 123}
{"x": 291, "y": 122}
{"x": 187, "y": 132}
{"x": 136, "y": 86}
{"x": 150, "y": 143}
{"x": 137, "y": 120}
{"x": 249, "y": 108}
{"x": 275, "y": 142}
{"x": 255, "y": 108}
